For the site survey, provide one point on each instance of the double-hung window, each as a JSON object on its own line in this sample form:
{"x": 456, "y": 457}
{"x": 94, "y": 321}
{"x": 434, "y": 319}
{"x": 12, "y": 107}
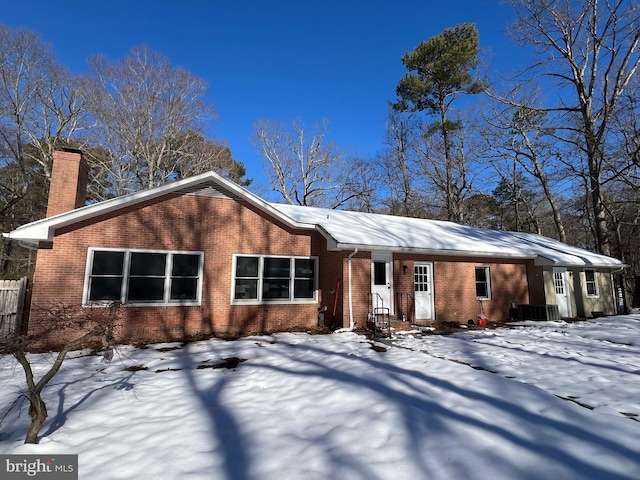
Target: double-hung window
{"x": 591, "y": 281}
{"x": 262, "y": 279}
{"x": 143, "y": 277}
{"x": 483, "y": 283}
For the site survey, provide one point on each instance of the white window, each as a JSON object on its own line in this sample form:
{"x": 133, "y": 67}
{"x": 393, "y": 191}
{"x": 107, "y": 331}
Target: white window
{"x": 591, "y": 279}
{"x": 143, "y": 277}
{"x": 558, "y": 282}
{"x": 483, "y": 283}
{"x": 262, "y": 279}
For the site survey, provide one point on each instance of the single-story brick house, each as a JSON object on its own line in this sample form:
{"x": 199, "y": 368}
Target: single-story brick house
{"x": 203, "y": 255}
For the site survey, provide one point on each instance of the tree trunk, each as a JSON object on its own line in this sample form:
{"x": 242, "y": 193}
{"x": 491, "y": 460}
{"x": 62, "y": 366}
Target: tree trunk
{"x": 546, "y": 188}
{"x": 601, "y": 228}
{"x": 603, "y": 244}
{"x": 557, "y": 216}
{"x": 38, "y": 413}
{"x": 451, "y": 216}
{"x": 6, "y": 247}
{"x": 37, "y": 408}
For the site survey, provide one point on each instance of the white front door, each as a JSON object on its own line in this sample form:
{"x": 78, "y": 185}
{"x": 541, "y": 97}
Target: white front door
{"x": 562, "y": 291}
{"x": 382, "y": 280}
{"x": 423, "y": 290}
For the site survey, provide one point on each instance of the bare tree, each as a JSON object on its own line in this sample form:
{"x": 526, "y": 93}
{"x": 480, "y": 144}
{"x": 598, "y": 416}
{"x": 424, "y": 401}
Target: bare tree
{"x": 624, "y": 190}
{"x": 400, "y": 165}
{"x": 624, "y": 160}
{"x": 148, "y": 113}
{"x": 40, "y": 110}
{"x": 359, "y": 185}
{"x": 440, "y": 70}
{"x": 303, "y": 167}
{"x": 451, "y": 175}
{"x": 68, "y": 327}
{"x": 199, "y": 155}
{"x": 521, "y": 137}
{"x": 516, "y": 201}
{"x": 588, "y": 51}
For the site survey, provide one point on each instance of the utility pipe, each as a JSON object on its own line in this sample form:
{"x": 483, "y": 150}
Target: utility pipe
{"x": 351, "y": 323}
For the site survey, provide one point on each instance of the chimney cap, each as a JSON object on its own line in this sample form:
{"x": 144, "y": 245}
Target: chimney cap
{"x": 71, "y": 150}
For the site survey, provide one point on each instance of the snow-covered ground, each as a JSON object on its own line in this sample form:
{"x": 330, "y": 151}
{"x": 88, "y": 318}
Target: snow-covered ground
{"x": 595, "y": 363}
{"x": 297, "y": 406}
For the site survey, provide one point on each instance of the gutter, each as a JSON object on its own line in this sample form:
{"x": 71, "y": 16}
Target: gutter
{"x": 29, "y": 246}
{"x": 22, "y": 243}
{"x": 351, "y": 322}
{"x": 432, "y": 251}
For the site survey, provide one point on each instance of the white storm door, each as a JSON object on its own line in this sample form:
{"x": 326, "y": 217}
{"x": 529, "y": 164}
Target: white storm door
{"x": 382, "y": 280}
{"x": 423, "y": 290}
{"x": 562, "y": 291}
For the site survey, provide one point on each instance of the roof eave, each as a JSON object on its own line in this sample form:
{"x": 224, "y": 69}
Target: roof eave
{"x": 26, "y": 242}
{"x": 539, "y": 260}
{"x": 44, "y": 229}
{"x": 430, "y": 251}
{"x": 542, "y": 261}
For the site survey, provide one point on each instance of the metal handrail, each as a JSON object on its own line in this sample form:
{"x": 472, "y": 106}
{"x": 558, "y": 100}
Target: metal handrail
{"x": 376, "y": 311}
{"x": 405, "y": 310}
{"x": 379, "y": 301}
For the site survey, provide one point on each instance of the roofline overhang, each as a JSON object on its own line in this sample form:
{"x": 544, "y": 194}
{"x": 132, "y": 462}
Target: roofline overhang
{"x": 542, "y": 261}
{"x": 538, "y": 260}
{"x": 427, "y": 251}
{"x": 615, "y": 268}
{"x": 334, "y": 245}
{"x": 31, "y": 234}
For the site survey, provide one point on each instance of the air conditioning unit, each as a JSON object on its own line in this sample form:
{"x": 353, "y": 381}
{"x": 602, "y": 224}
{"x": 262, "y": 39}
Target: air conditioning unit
{"x": 547, "y": 313}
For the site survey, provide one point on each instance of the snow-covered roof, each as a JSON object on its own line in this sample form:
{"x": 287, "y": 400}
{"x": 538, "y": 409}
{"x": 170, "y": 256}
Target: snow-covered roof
{"x": 345, "y": 229}
{"x": 209, "y": 183}
{"x": 368, "y": 231}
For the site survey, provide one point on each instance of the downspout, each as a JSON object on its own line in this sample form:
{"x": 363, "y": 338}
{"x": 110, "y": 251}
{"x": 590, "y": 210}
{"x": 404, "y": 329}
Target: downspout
{"x": 612, "y": 279}
{"x": 351, "y": 323}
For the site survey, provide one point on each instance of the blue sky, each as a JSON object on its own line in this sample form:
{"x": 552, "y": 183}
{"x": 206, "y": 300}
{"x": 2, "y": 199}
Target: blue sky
{"x": 279, "y": 59}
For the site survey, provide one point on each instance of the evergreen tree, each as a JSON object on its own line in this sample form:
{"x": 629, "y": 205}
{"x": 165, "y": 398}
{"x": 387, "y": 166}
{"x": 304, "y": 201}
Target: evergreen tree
{"x": 440, "y": 70}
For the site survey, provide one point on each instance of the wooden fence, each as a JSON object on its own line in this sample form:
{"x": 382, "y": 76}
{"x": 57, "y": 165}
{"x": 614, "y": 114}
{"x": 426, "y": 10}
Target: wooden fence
{"x": 12, "y": 300}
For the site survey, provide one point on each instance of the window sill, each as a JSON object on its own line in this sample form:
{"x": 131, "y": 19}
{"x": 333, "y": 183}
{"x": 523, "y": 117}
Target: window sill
{"x": 274, "y": 302}
{"x": 142, "y": 304}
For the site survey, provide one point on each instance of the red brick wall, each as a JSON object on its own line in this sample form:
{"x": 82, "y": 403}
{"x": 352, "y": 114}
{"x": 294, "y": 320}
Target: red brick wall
{"x": 453, "y": 283}
{"x": 332, "y": 281}
{"x": 68, "y": 189}
{"x": 454, "y": 286}
{"x": 223, "y": 227}
{"x": 361, "y": 278}
{"x": 218, "y": 227}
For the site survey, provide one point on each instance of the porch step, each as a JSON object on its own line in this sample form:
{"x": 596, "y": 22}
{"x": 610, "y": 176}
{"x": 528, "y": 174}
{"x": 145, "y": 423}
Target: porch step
{"x": 397, "y": 324}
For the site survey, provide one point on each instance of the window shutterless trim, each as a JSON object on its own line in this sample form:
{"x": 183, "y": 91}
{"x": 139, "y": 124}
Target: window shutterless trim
{"x": 125, "y": 275}
{"x": 261, "y": 278}
{"x": 487, "y": 282}
{"x": 593, "y": 282}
